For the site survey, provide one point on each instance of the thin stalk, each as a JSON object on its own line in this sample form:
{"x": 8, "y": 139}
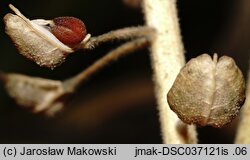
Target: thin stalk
{"x": 113, "y": 55}
{"x": 167, "y": 57}
{"x": 120, "y": 34}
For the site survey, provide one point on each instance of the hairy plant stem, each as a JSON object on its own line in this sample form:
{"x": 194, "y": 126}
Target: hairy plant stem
{"x": 167, "y": 59}
{"x": 113, "y": 55}
{"x": 120, "y": 34}
{"x": 49, "y": 96}
{"x": 243, "y": 132}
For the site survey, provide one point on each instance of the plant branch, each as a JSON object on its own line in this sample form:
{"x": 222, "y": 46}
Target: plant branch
{"x": 48, "y": 96}
{"x": 120, "y": 34}
{"x": 167, "y": 59}
{"x": 113, "y": 55}
{"x": 243, "y": 132}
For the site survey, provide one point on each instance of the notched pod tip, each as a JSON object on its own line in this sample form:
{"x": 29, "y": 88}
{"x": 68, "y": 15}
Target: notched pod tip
{"x": 35, "y": 40}
{"x": 208, "y": 91}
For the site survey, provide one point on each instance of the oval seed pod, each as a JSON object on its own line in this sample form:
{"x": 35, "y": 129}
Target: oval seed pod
{"x": 35, "y": 41}
{"x": 207, "y": 91}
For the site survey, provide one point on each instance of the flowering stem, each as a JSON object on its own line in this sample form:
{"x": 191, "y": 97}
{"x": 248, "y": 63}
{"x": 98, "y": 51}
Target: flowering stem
{"x": 167, "y": 59}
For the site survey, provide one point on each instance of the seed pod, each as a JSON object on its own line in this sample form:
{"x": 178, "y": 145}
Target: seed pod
{"x": 35, "y": 41}
{"x": 207, "y": 91}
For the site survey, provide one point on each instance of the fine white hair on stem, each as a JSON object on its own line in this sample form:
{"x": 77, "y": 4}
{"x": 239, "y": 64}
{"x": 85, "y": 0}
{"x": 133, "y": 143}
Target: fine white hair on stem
{"x": 167, "y": 56}
{"x": 119, "y": 34}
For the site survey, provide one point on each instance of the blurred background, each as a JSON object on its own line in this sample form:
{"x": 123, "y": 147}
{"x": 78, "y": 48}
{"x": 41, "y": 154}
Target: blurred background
{"x": 117, "y": 105}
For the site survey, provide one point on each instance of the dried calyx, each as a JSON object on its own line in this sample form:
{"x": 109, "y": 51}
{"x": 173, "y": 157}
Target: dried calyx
{"x": 46, "y": 42}
{"x": 208, "y": 91}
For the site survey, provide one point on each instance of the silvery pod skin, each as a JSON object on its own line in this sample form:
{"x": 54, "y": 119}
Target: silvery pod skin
{"x": 208, "y": 91}
{"x": 35, "y": 41}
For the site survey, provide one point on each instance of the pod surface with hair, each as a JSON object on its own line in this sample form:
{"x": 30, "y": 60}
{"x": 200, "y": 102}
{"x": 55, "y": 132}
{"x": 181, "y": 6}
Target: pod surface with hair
{"x": 46, "y": 42}
{"x": 208, "y": 91}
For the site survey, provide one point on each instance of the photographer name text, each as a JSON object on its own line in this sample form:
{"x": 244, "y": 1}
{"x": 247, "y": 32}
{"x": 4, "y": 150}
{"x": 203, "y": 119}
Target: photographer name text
{"x": 108, "y": 151}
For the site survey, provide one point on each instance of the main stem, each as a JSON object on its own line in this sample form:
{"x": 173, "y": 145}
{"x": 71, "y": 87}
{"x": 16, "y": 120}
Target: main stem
{"x": 167, "y": 59}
